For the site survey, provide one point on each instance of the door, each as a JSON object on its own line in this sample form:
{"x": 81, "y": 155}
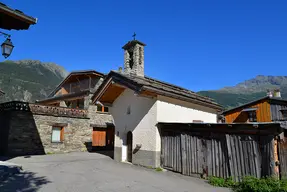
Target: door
{"x": 99, "y": 137}
{"x": 110, "y": 137}
{"x": 129, "y": 146}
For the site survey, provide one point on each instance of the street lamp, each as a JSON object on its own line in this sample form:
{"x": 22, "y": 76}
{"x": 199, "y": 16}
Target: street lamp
{"x": 6, "y": 46}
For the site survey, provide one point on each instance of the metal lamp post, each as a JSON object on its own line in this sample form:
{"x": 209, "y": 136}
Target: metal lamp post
{"x": 7, "y": 46}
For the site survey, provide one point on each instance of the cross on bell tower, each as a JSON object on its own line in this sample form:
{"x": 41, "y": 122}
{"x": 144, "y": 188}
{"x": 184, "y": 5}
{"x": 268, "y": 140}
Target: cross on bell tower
{"x": 134, "y": 57}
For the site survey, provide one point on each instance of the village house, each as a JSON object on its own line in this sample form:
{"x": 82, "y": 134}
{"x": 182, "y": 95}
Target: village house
{"x": 271, "y": 108}
{"x": 118, "y": 111}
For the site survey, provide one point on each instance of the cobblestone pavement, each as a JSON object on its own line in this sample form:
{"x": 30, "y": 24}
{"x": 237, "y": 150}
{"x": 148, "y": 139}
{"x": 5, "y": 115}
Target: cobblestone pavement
{"x": 80, "y": 172}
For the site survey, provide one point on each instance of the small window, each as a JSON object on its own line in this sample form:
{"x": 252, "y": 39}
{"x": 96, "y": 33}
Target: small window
{"x": 106, "y": 109}
{"x": 57, "y": 134}
{"x": 285, "y": 133}
{"x": 129, "y": 110}
{"x": 102, "y": 108}
{"x": 284, "y": 114}
{"x": 252, "y": 116}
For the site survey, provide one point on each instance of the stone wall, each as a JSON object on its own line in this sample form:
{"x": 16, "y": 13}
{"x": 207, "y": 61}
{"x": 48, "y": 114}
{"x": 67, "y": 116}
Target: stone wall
{"x": 29, "y": 132}
{"x": 77, "y": 132}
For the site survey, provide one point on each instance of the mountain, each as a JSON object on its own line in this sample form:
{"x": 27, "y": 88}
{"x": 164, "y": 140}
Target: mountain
{"x": 248, "y": 90}
{"x": 29, "y": 80}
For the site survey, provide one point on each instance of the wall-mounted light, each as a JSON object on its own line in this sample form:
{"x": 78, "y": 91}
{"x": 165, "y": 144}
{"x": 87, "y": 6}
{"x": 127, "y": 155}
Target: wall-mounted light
{"x": 7, "y": 46}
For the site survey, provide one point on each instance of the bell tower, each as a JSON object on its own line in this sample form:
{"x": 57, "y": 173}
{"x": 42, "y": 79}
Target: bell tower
{"x": 134, "y": 57}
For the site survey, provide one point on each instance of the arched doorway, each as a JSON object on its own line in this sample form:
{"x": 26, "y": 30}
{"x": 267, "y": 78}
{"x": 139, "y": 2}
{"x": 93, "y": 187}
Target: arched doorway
{"x": 129, "y": 146}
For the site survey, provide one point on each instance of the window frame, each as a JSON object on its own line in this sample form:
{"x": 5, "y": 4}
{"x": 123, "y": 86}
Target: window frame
{"x": 61, "y": 134}
{"x": 284, "y": 114}
{"x": 103, "y": 109}
{"x": 252, "y": 116}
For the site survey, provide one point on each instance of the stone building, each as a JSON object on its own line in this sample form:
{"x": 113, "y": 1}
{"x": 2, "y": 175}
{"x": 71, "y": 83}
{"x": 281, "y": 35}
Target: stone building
{"x": 65, "y": 121}
{"x": 118, "y": 111}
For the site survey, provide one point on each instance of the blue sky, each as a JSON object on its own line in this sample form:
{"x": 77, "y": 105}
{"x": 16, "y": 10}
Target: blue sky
{"x": 200, "y": 45}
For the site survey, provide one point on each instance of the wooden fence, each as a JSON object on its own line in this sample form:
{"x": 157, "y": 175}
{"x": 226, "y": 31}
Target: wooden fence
{"x": 196, "y": 153}
{"x": 283, "y": 158}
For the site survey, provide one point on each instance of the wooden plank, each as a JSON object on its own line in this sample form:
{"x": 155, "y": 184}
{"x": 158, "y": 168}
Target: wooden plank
{"x": 250, "y": 157}
{"x": 183, "y": 154}
{"x": 197, "y": 154}
{"x": 216, "y": 158}
{"x": 256, "y": 163}
{"x": 238, "y": 162}
{"x": 242, "y": 164}
{"x": 223, "y": 157}
{"x": 213, "y": 157}
{"x": 226, "y": 169}
{"x": 263, "y": 153}
{"x": 209, "y": 156}
{"x": 189, "y": 163}
{"x": 168, "y": 151}
{"x": 192, "y": 155}
{"x": 235, "y": 164}
{"x": 220, "y": 159}
{"x": 271, "y": 157}
{"x": 230, "y": 157}
{"x": 179, "y": 155}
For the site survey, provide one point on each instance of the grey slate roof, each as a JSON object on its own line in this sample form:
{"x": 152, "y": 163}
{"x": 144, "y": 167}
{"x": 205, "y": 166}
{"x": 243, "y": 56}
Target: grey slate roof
{"x": 167, "y": 89}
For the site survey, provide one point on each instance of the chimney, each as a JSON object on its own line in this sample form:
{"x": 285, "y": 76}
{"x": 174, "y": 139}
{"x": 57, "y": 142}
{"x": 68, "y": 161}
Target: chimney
{"x": 269, "y": 93}
{"x": 276, "y": 93}
{"x": 120, "y": 69}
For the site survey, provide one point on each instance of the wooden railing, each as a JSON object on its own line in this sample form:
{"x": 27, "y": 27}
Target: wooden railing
{"x": 43, "y": 109}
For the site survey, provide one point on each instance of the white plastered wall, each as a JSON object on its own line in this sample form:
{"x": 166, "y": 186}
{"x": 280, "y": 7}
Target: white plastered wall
{"x": 141, "y": 121}
{"x": 173, "y": 110}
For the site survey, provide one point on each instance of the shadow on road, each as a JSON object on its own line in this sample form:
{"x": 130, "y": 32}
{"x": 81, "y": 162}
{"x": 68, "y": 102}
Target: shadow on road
{"x": 24, "y": 181}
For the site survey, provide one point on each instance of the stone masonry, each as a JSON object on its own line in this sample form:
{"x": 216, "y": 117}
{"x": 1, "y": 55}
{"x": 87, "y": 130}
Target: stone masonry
{"x": 30, "y": 133}
{"x": 134, "y": 58}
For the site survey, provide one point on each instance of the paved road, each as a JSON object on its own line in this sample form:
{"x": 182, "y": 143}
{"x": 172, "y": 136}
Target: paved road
{"x": 80, "y": 172}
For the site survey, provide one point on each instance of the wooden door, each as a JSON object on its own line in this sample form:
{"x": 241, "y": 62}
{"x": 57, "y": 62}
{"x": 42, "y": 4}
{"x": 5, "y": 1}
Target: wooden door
{"x": 99, "y": 137}
{"x": 129, "y": 146}
{"x": 110, "y": 136}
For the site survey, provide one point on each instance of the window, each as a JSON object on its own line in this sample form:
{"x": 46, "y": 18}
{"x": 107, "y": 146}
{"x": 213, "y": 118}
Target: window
{"x": 57, "y": 134}
{"x": 106, "y": 109}
{"x": 102, "y": 108}
{"x": 284, "y": 114}
{"x": 252, "y": 116}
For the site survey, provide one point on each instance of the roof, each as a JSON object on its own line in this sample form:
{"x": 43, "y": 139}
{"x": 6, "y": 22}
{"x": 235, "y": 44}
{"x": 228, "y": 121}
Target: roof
{"x": 139, "y": 84}
{"x": 259, "y": 127}
{"x": 132, "y": 43}
{"x": 66, "y": 96}
{"x": 79, "y": 72}
{"x": 274, "y": 99}
{"x": 14, "y": 18}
